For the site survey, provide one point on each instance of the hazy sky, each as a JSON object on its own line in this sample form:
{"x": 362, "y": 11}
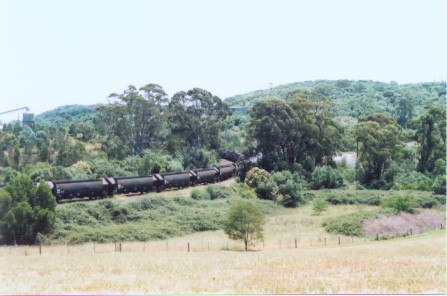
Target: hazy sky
{"x": 55, "y": 53}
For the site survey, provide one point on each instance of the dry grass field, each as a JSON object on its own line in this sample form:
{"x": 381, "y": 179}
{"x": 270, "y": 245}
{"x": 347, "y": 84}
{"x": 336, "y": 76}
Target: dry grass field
{"x": 414, "y": 264}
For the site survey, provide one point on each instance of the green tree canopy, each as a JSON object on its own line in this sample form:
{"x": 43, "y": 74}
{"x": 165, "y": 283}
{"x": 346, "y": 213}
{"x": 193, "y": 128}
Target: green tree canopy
{"x": 25, "y": 211}
{"x": 195, "y": 119}
{"x": 431, "y": 135}
{"x": 379, "y": 143}
{"x": 245, "y": 222}
{"x": 132, "y": 121}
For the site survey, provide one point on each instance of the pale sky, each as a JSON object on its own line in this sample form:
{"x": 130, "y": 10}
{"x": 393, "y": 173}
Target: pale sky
{"x": 55, "y": 53}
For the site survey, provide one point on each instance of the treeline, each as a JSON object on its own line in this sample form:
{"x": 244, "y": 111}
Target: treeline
{"x": 301, "y": 135}
{"x": 141, "y": 131}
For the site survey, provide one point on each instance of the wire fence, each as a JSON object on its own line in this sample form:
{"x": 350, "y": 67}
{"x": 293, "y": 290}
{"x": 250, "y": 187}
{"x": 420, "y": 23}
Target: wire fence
{"x": 197, "y": 245}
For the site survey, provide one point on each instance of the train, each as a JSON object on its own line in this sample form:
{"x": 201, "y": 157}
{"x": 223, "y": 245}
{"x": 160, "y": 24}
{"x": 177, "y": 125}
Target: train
{"x": 109, "y": 186}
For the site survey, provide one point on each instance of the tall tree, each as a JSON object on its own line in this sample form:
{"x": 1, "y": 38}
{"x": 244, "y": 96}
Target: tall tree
{"x": 195, "y": 119}
{"x": 379, "y": 143}
{"x": 404, "y": 112}
{"x": 431, "y": 136}
{"x": 276, "y": 129}
{"x": 25, "y": 211}
{"x": 133, "y": 118}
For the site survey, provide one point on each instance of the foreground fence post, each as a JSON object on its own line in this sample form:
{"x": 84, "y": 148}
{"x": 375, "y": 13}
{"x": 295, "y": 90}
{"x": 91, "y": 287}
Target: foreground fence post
{"x": 40, "y": 249}
{"x": 121, "y": 247}
{"x": 296, "y": 245}
{"x": 94, "y": 248}
{"x": 339, "y": 242}
{"x": 377, "y": 236}
{"x": 188, "y": 248}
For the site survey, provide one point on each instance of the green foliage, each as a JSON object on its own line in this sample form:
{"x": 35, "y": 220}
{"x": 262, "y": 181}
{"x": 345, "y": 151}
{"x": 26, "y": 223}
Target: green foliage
{"x": 123, "y": 123}
{"x": 290, "y": 187}
{"x": 150, "y": 218}
{"x": 350, "y": 225}
{"x": 319, "y": 205}
{"x": 197, "y": 194}
{"x": 256, "y": 176}
{"x": 431, "y": 135}
{"x": 218, "y": 192}
{"x": 374, "y": 197}
{"x": 195, "y": 119}
{"x": 326, "y": 177}
{"x": 244, "y": 222}
{"x": 439, "y": 185}
{"x": 357, "y": 98}
{"x": 6, "y": 174}
{"x": 26, "y": 210}
{"x": 286, "y": 133}
{"x": 380, "y": 143}
{"x": 400, "y": 203}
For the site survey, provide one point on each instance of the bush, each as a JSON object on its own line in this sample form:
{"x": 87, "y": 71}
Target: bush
{"x": 326, "y": 177}
{"x": 400, "y": 203}
{"x": 217, "y": 192}
{"x": 319, "y": 206}
{"x": 439, "y": 185}
{"x": 196, "y": 194}
{"x": 260, "y": 181}
{"x": 290, "y": 187}
{"x": 350, "y": 225}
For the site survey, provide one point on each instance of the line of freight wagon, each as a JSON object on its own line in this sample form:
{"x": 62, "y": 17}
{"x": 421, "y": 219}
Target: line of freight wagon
{"x": 107, "y": 187}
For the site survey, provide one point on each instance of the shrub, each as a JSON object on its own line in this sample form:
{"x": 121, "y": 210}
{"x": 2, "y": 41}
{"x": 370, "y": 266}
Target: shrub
{"x": 400, "y": 203}
{"x": 326, "y": 177}
{"x": 216, "y": 192}
{"x": 350, "y": 225}
{"x": 290, "y": 188}
{"x": 196, "y": 194}
{"x": 260, "y": 181}
{"x": 439, "y": 185}
{"x": 319, "y": 206}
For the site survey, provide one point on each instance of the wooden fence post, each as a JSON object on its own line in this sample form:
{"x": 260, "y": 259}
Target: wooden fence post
{"x": 377, "y": 236}
{"x": 339, "y": 242}
{"x": 296, "y": 245}
{"x": 40, "y": 249}
{"x": 94, "y": 247}
{"x": 188, "y": 248}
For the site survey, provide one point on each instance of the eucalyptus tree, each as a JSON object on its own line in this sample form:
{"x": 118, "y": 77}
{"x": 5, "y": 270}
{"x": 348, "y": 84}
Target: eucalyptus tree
{"x": 379, "y": 143}
{"x": 195, "y": 119}
{"x": 132, "y": 121}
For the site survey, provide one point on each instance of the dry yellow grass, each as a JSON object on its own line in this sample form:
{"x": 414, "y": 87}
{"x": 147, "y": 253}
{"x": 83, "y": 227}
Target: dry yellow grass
{"x": 410, "y": 265}
{"x": 406, "y": 265}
